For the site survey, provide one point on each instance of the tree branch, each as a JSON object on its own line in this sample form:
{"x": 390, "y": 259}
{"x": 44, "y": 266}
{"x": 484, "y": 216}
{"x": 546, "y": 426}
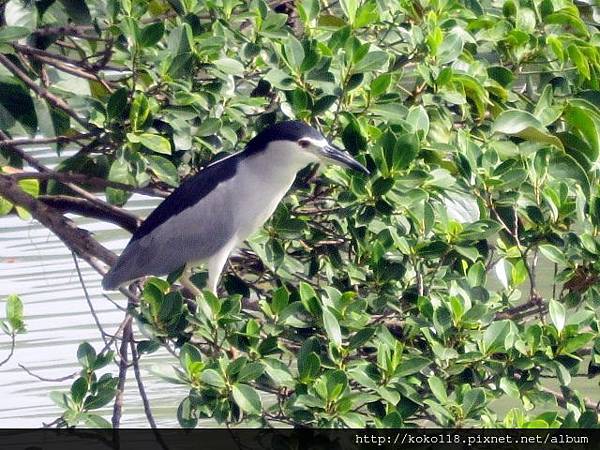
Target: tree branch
{"x": 77, "y": 239}
{"x": 73, "y": 70}
{"x": 66, "y": 203}
{"x": 95, "y": 182}
{"x": 135, "y": 358}
{"x": 55, "y": 101}
{"x": 53, "y": 380}
{"x": 110, "y": 210}
{"x": 12, "y": 349}
{"x": 123, "y": 365}
{"x": 47, "y": 140}
{"x": 84, "y": 63}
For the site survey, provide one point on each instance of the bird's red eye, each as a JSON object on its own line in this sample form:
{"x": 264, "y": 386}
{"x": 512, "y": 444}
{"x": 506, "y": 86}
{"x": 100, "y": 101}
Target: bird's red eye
{"x": 304, "y": 143}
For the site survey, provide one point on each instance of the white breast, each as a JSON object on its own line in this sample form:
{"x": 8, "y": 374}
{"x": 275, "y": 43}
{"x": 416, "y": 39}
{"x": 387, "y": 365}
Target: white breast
{"x": 262, "y": 181}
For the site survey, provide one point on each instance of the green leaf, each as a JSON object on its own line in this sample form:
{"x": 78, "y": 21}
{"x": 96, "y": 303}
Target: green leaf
{"x": 250, "y": 372}
{"x": 96, "y": 421}
{"x": 14, "y": 313}
{"x": 553, "y": 254}
{"x": 5, "y": 206}
{"x": 576, "y": 342}
{"x": 411, "y": 365}
{"x": 361, "y": 338}
{"x": 372, "y": 61}
{"x": 151, "y": 141}
{"x": 310, "y": 345}
{"x": 16, "y": 105}
{"x": 557, "y": 314}
{"x": 473, "y": 400}
{"x": 60, "y": 399}
{"x": 437, "y": 388}
{"x": 151, "y": 34}
{"x": 494, "y": 336}
{"x": 229, "y": 66}
{"x": 524, "y": 125}
{"x": 323, "y": 104}
{"x": 280, "y": 300}
{"x": 117, "y": 103}
{"x": 366, "y": 14}
{"x": 353, "y": 138}
{"x": 309, "y": 369}
{"x": 405, "y": 150}
{"x": 20, "y": 14}
{"x": 349, "y": 8}
{"x": 247, "y": 398}
{"x": 79, "y": 389}
{"x": 170, "y": 307}
{"x": 294, "y": 52}
{"x": 164, "y": 169}
{"x": 332, "y": 327}
{"x": 583, "y": 119}
{"x": 213, "y": 378}
{"x": 103, "y": 398}
{"x": 309, "y": 9}
{"x": 185, "y": 414}
{"x": 579, "y": 60}
{"x": 8, "y": 34}
{"x": 120, "y": 172}
{"x": 562, "y": 166}
{"x": 381, "y": 84}
{"x": 86, "y": 355}
{"x": 78, "y": 11}
{"x": 336, "y": 382}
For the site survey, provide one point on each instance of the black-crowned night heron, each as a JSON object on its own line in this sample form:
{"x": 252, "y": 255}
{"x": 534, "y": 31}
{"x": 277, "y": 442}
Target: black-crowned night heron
{"x": 213, "y": 212}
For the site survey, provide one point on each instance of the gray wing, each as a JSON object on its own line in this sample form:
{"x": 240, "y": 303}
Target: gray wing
{"x": 192, "y": 234}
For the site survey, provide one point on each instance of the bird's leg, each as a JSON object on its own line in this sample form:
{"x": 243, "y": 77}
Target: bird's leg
{"x": 186, "y": 282}
{"x": 215, "y": 266}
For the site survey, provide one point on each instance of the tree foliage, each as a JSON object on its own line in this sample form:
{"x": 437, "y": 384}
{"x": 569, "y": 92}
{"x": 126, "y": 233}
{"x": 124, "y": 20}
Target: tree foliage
{"x": 416, "y": 296}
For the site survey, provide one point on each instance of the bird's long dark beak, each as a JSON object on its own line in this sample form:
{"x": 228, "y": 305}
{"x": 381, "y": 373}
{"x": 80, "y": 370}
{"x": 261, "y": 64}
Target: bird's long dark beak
{"x": 342, "y": 158}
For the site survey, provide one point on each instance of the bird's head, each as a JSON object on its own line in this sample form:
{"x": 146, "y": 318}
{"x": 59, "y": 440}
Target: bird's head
{"x": 308, "y": 142}
{"x": 326, "y": 152}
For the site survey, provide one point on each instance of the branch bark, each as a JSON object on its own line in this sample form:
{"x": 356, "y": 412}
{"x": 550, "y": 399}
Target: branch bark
{"x": 48, "y": 140}
{"x": 95, "y": 182}
{"x": 123, "y": 366}
{"x": 77, "y": 239}
{"x": 66, "y": 203}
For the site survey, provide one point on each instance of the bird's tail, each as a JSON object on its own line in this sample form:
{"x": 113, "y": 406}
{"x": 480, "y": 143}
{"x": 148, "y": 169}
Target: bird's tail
{"x": 127, "y": 268}
{"x": 112, "y": 280}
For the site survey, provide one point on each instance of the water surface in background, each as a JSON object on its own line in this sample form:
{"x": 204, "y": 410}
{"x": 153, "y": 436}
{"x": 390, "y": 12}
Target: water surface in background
{"x": 35, "y": 265}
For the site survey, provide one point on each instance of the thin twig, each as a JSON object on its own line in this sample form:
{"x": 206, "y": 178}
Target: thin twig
{"x": 51, "y": 380}
{"x": 119, "y": 307}
{"x": 83, "y": 207}
{"x": 138, "y": 376}
{"x": 46, "y": 140}
{"x": 12, "y": 349}
{"x": 103, "y": 334}
{"x": 123, "y": 365}
{"x": 96, "y": 182}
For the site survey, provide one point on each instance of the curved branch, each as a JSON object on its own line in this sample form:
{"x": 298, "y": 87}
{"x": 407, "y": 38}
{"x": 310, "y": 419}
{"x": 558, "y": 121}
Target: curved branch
{"x": 12, "y": 349}
{"x": 81, "y": 206}
{"x": 77, "y": 239}
{"x": 95, "y": 182}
